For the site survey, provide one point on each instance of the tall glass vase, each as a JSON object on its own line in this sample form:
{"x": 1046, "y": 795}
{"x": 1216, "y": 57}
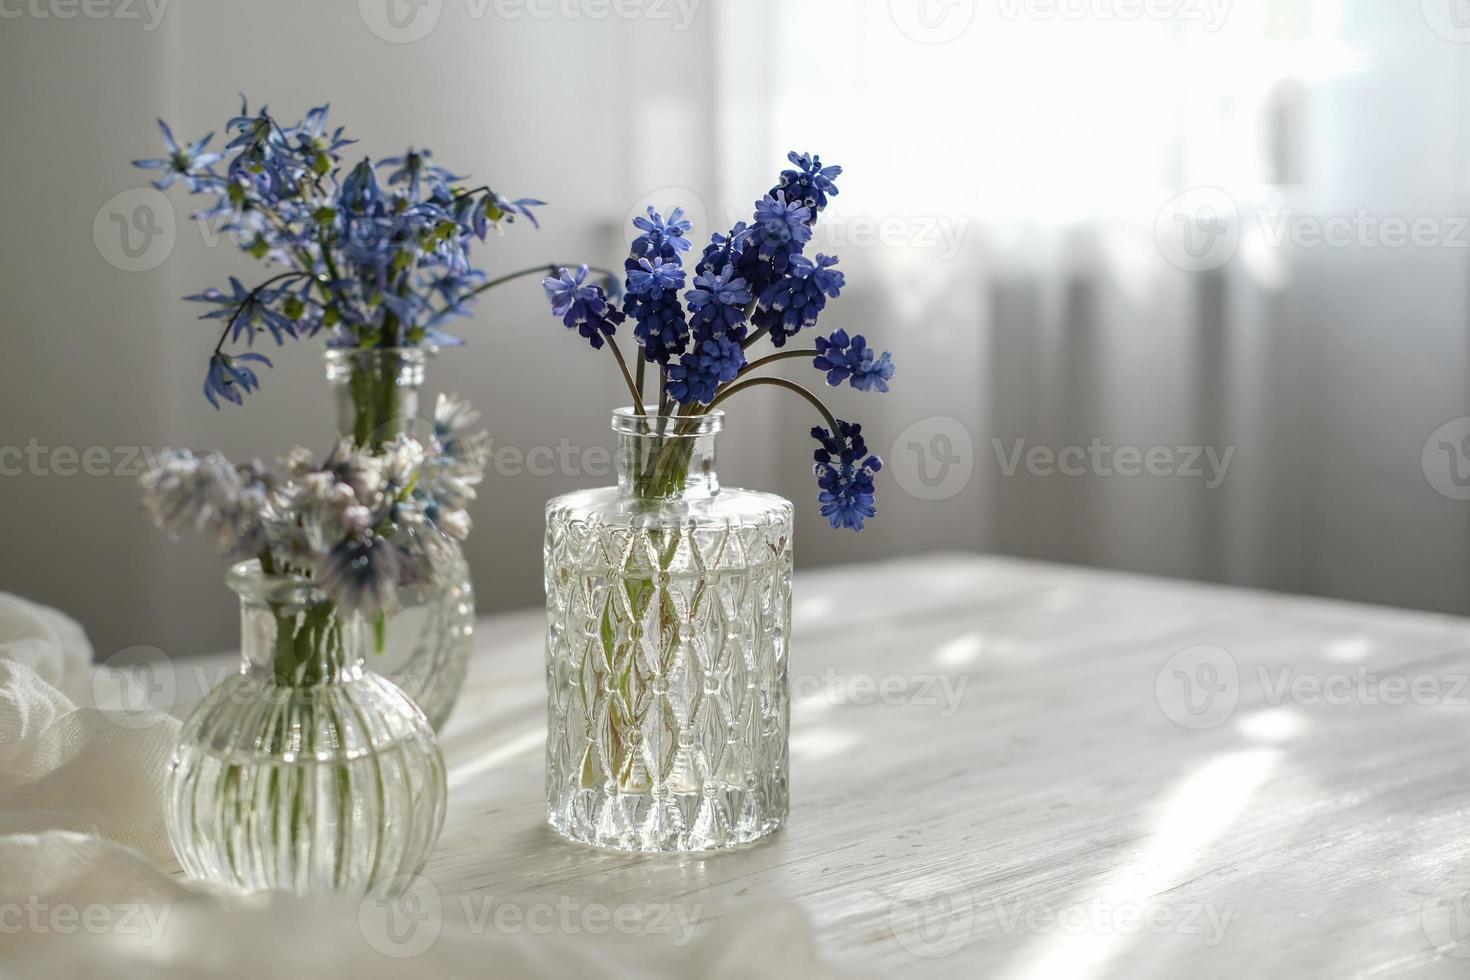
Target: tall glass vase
{"x": 303, "y": 772}
{"x": 668, "y": 609}
{"x": 431, "y": 636}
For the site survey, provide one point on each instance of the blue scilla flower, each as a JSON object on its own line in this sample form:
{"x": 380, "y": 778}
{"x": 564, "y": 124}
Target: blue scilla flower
{"x": 413, "y": 168}
{"x": 189, "y": 162}
{"x": 711, "y": 363}
{"x": 583, "y": 306}
{"x": 229, "y": 378}
{"x": 500, "y": 209}
{"x": 314, "y": 143}
{"x": 810, "y": 183}
{"x": 781, "y": 230}
{"x": 852, "y": 360}
{"x": 845, "y": 471}
{"x": 717, "y": 303}
{"x": 360, "y": 191}
{"x": 665, "y": 239}
{"x": 246, "y": 310}
{"x": 798, "y": 298}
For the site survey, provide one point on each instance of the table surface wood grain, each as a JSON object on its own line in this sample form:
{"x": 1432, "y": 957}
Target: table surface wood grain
{"x": 1005, "y": 768}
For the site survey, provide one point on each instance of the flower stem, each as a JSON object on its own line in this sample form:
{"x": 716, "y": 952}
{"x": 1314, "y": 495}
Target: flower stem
{"x": 632, "y": 388}
{"x": 773, "y": 358}
{"x": 792, "y": 386}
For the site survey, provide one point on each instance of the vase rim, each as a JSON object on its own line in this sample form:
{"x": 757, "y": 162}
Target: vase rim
{"x": 419, "y": 353}
{"x": 249, "y": 581}
{"x": 628, "y": 422}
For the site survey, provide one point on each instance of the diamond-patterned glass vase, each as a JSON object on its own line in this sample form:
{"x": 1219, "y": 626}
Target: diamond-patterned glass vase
{"x": 668, "y": 612}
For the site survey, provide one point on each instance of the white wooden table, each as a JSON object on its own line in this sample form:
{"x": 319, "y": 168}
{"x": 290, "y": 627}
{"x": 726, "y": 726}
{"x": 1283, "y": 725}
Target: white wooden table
{"x": 1004, "y": 768}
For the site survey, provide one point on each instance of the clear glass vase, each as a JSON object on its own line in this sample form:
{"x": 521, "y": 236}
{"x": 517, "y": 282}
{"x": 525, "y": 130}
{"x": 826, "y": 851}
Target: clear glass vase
{"x": 668, "y": 609}
{"x": 431, "y": 636}
{"x": 304, "y": 771}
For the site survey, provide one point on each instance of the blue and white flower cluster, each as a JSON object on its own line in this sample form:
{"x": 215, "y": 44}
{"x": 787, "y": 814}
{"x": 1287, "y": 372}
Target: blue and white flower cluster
{"x": 361, "y": 524}
{"x": 754, "y": 282}
{"x": 376, "y": 257}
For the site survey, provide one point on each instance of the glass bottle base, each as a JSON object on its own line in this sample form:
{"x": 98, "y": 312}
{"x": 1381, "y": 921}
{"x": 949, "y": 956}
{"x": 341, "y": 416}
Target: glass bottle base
{"x": 677, "y": 823}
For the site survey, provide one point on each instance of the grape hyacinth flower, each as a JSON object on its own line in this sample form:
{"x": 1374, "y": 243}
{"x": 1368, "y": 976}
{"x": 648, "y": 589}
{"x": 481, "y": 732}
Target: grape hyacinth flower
{"x": 660, "y": 238}
{"x": 797, "y": 299}
{"x": 853, "y": 361}
{"x": 699, "y": 373}
{"x": 754, "y": 276}
{"x": 845, "y": 473}
{"x": 717, "y": 303}
{"x": 781, "y": 230}
{"x": 653, "y": 302}
{"x": 583, "y": 306}
{"x": 810, "y": 183}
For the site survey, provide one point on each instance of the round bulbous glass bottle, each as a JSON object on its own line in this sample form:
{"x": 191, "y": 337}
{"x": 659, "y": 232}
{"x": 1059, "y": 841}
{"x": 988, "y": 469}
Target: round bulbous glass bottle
{"x": 303, "y": 771}
{"x": 668, "y": 606}
{"x": 431, "y": 636}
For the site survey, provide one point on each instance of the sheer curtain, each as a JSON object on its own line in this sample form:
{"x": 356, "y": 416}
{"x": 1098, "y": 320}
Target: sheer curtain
{"x": 1012, "y": 211}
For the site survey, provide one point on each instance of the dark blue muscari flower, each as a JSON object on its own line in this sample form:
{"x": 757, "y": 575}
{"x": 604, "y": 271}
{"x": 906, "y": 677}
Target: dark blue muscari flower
{"x": 227, "y": 377}
{"x": 660, "y": 238}
{"x": 782, "y": 228}
{"x": 845, "y": 473}
{"x": 717, "y": 303}
{"x": 723, "y": 250}
{"x": 189, "y": 162}
{"x": 810, "y": 183}
{"x": 712, "y": 362}
{"x": 798, "y": 298}
{"x": 853, "y": 361}
{"x": 582, "y": 306}
{"x": 653, "y": 302}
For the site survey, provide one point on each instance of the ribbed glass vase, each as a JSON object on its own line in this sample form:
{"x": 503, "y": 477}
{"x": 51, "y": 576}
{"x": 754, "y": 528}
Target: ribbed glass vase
{"x": 668, "y": 608}
{"x": 431, "y": 636}
{"x": 304, "y": 771}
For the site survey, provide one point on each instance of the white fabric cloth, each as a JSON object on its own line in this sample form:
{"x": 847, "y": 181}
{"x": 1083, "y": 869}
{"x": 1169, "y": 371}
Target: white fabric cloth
{"x": 89, "y": 886}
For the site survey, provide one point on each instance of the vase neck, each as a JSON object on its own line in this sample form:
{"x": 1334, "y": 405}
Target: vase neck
{"x": 663, "y": 457}
{"x": 376, "y": 390}
{"x": 290, "y": 632}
